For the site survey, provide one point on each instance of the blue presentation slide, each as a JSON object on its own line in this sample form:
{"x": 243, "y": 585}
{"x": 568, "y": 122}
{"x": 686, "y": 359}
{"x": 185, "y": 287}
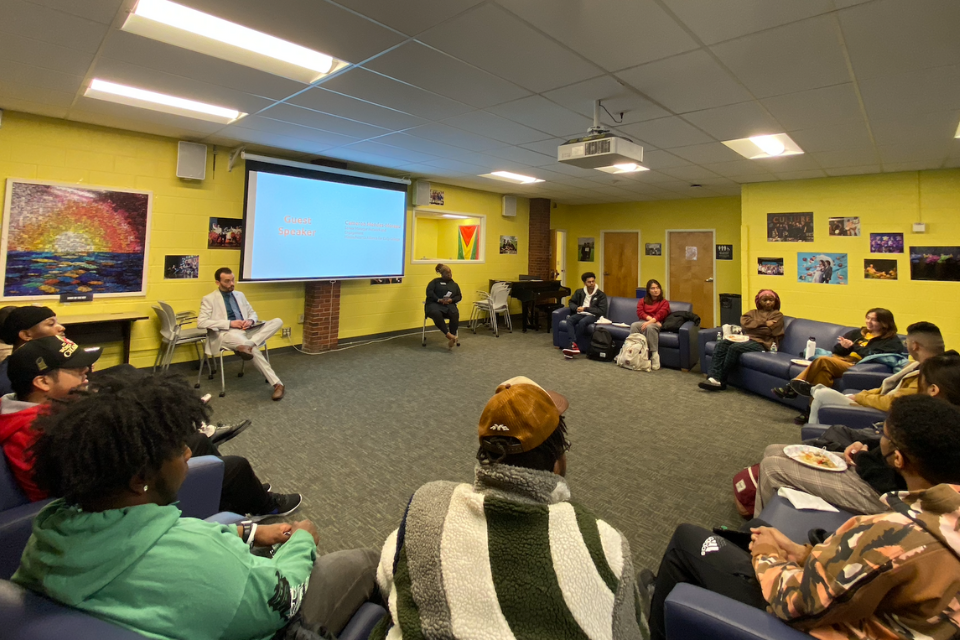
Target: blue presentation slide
{"x": 302, "y": 228}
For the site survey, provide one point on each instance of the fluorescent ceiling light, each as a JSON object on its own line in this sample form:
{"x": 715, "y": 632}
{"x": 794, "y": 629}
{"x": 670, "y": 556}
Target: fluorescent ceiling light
{"x": 201, "y": 32}
{"x": 134, "y": 97}
{"x": 771, "y": 146}
{"x": 626, "y": 167}
{"x": 455, "y": 217}
{"x": 507, "y": 176}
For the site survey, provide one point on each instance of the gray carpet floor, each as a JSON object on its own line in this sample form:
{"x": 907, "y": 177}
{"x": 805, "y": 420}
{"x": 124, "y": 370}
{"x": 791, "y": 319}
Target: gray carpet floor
{"x": 360, "y": 429}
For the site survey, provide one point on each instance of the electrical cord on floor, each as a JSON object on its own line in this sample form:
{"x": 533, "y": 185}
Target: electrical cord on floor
{"x": 349, "y": 346}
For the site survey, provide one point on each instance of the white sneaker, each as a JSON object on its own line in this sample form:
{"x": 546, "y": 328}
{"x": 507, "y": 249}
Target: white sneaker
{"x": 655, "y": 362}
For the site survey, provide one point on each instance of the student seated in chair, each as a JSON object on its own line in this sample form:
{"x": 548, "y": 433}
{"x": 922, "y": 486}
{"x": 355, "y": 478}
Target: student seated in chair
{"x": 443, "y": 294}
{"x": 891, "y": 575}
{"x": 114, "y": 544}
{"x": 652, "y": 310}
{"x": 587, "y": 305}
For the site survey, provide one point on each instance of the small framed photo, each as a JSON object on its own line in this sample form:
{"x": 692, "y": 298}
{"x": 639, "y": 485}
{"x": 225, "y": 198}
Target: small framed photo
{"x": 654, "y": 249}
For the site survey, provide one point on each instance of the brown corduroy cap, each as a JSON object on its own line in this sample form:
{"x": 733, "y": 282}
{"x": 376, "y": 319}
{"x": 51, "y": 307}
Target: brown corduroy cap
{"x": 524, "y": 410}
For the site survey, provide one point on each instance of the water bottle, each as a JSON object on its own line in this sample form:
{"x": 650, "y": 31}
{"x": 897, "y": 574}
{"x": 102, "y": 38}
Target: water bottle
{"x": 811, "y": 349}
{"x": 719, "y": 336}
{"x": 773, "y": 347}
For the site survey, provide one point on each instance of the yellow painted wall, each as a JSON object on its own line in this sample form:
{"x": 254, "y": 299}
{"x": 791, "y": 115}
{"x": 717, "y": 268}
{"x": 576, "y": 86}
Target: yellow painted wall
{"x": 426, "y": 240}
{"x": 884, "y": 203}
{"x": 652, "y": 219}
{"x": 34, "y": 147}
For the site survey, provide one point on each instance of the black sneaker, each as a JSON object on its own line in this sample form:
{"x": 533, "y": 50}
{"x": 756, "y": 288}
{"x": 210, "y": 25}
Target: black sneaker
{"x": 224, "y": 432}
{"x": 802, "y": 419}
{"x": 283, "y": 504}
{"x": 802, "y": 387}
{"x": 266, "y": 487}
{"x": 646, "y": 580}
{"x": 785, "y": 392}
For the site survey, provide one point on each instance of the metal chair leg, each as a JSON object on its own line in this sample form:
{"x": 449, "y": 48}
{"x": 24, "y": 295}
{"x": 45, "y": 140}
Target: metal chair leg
{"x": 423, "y": 333}
{"x": 223, "y": 382}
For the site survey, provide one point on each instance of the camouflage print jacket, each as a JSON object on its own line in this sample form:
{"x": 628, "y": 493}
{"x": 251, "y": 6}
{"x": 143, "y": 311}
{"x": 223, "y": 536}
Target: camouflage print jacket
{"x": 886, "y": 576}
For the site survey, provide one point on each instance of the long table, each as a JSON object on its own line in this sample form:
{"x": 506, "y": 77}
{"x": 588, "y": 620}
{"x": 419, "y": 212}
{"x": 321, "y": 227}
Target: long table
{"x": 94, "y": 328}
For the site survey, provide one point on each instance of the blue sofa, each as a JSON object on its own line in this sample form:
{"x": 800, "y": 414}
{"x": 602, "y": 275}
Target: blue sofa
{"x": 693, "y": 613}
{"x": 762, "y": 371}
{"x": 677, "y": 350}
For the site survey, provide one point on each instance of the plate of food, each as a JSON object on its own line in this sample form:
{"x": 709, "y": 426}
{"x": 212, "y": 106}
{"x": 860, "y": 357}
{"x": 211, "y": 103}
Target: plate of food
{"x": 816, "y": 458}
{"x": 736, "y": 337}
{"x": 802, "y": 362}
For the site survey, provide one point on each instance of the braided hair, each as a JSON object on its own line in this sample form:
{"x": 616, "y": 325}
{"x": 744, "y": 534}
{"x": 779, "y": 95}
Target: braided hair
{"x": 93, "y": 442}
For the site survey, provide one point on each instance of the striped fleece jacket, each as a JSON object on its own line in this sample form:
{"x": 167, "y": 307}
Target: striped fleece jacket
{"x": 509, "y": 557}
{"x": 890, "y": 576}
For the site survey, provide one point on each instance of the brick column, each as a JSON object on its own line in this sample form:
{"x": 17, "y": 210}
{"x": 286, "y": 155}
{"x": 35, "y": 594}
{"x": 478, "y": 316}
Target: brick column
{"x": 321, "y": 316}
{"x": 538, "y": 260}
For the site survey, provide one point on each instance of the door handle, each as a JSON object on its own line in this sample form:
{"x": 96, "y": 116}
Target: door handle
{"x": 709, "y": 280}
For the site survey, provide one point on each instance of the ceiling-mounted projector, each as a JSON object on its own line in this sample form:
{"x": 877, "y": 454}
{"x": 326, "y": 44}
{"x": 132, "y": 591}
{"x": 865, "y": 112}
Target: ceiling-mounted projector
{"x": 602, "y": 150}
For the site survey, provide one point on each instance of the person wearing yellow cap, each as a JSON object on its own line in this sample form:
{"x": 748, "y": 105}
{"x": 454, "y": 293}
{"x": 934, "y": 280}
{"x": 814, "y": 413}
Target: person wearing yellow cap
{"x": 509, "y": 554}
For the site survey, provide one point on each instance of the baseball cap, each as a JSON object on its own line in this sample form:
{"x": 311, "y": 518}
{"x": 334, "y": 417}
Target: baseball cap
{"x": 21, "y": 319}
{"x": 522, "y": 409}
{"x": 38, "y": 357}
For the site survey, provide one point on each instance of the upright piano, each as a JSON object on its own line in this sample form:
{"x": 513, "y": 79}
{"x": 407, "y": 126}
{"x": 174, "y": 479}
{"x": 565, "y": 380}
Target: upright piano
{"x": 534, "y": 294}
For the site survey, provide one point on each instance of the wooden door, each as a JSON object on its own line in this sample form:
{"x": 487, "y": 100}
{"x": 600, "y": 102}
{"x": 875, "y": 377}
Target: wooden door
{"x": 558, "y": 255}
{"x": 621, "y": 255}
{"x": 691, "y": 272}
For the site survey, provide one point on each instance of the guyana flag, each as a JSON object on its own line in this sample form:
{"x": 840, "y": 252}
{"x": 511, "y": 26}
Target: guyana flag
{"x": 468, "y": 243}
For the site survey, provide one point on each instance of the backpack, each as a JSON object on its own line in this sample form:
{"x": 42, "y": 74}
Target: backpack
{"x": 673, "y": 322}
{"x": 601, "y": 346}
{"x": 633, "y": 354}
{"x": 745, "y": 485}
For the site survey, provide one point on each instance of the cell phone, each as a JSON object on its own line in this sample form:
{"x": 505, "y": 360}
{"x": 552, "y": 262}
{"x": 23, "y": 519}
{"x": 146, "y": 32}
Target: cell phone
{"x": 206, "y": 398}
{"x": 739, "y": 538}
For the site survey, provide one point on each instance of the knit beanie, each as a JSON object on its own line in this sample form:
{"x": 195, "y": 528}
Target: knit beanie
{"x": 21, "y": 319}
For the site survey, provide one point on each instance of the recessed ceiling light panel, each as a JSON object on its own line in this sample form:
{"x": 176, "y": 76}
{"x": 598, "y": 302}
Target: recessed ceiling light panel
{"x": 507, "y": 176}
{"x": 136, "y": 97}
{"x": 769, "y": 146}
{"x": 625, "y": 167}
{"x": 201, "y": 32}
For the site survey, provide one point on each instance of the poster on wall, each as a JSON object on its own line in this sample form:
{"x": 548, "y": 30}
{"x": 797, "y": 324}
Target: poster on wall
{"x": 468, "y": 242}
{"x": 822, "y": 268}
{"x": 436, "y": 197}
{"x": 935, "y": 263}
{"x": 508, "y": 245}
{"x": 654, "y": 249}
{"x": 886, "y": 243}
{"x": 724, "y": 252}
{"x": 790, "y": 227}
{"x": 584, "y": 249}
{"x": 386, "y": 280}
{"x": 64, "y": 238}
{"x": 181, "y": 267}
{"x": 769, "y": 266}
{"x": 225, "y": 233}
{"x": 846, "y": 227}
{"x": 879, "y": 269}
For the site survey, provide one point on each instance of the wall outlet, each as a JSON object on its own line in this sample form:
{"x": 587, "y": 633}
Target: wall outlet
{"x": 301, "y": 319}
{"x": 286, "y": 332}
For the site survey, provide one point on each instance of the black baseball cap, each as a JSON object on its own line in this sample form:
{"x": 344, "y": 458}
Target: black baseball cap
{"x": 41, "y": 356}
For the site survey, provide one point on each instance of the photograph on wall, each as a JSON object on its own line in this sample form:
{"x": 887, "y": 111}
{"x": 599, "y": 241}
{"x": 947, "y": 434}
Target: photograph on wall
{"x": 585, "y": 249}
{"x": 769, "y": 266}
{"x": 724, "y": 252}
{"x": 654, "y": 249}
{"x": 879, "y": 269}
{"x": 60, "y": 238}
{"x": 935, "y": 263}
{"x": 181, "y": 267}
{"x": 508, "y": 245}
{"x": 386, "y": 280}
{"x": 436, "y": 197}
{"x": 886, "y": 243}
{"x": 225, "y": 233}
{"x": 790, "y": 227}
{"x": 822, "y": 268}
{"x": 848, "y": 227}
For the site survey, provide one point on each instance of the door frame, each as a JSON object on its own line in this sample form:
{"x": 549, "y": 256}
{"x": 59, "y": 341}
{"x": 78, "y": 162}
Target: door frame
{"x": 603, "y": 232}
{"x": 562, "y": 258}
{"x": 666, "y": 274}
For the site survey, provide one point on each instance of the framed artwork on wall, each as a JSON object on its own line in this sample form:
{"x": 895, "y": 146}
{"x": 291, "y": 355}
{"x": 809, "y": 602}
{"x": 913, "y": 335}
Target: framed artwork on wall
{"x": 886, "y": 243}
{"x": 66, "y": 238}
{"x": 769, "y": 266}
{"x": 846, "y": 227}
{"x": 941, "y": 264}
{"x": 181, "y": 267}
{"x": 654, "y": 249}
{"x": 585, "y": 249}
{"x": 225, "y": 233}
{"x": 508, "y": 245}
{"x": 790, "y": 227}
{"x": 822, "y": 268}
{"x": 879, "y": 269}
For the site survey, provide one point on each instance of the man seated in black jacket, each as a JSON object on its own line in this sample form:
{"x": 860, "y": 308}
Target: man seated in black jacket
{"x": 587, "y": 305}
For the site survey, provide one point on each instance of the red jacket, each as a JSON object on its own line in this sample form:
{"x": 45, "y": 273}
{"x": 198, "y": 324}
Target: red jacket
{"x": 16, "y": 437}
{"x": 659, "y": 310}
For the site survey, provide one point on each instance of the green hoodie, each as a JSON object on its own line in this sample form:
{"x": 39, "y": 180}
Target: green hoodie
{"x": 147, "y": 569}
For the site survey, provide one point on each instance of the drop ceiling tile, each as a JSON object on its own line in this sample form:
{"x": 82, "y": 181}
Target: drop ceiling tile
{"x": 276, "y": 127}
{"x": 612, "y": 33}
{"x": 422, "y": 145}
{"x": 657, "y": 178}
{"x": 380, "y": 90}
{"x": 846, "y": 158}
{"x": 816, "y": 107}
{"x": 456, "y": 165}
{"x": 546, "y": 147}
{"x": 734, "y": 121}
{"x": 716, "y": 21}
{"x": 13, "y": 103}
{"x": 932, "y": 155}
{"x": 152, "y": 54}
{"x": 346, "y": 107}
{"x": 615, "y": 97}
{"x": 428, "y": 171}
{"x": 352, "y": 155}
{"x": 448, "y": 135}
{"x": 706, "y": 153}
{"x": 736, "y": 168}
{"x": 44, "y": 55}
{"x": 854, "y": 171}
{"x": 102, "y": 11}
{"x": 904, "y": 95}
{"x": 321, "y": 26}
{"x": 47, "y": 25}
{"x": 844, "y": 136}
{"x": 24, "y": 74}
{"x": 690, "y": 174}
{"x": 662, "y": 160}
{"x": 14, "y": 91}
{"x": 521, "y": 54}
{"x": 524, "y": 156}
{"x": 119, "y": 116}
{"x": 432, "y": 70}
{"x": 892, "y": 167}
{"x": 387, "y": 151}
{"x": 754, "y": 177}
{"x": 666, "y": 133}
{"x": 411, "y": 16}
{"x": 487, "y": 124}
{"x": 895, "y": 36}
{"x": 928, "y": 129}
{"x": 688, "y": 82}
{"x": 800, "y": 162}
{"x": 539, "y": 113}
{"x": 795, "y": 57}
{"x": 569, "y": 170}
{"x": 323, "y": 121}
{"x": 242, "y": 134}
{"x": 801, "y": 175}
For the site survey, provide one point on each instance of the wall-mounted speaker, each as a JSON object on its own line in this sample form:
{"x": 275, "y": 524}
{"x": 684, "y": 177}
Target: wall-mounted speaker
{"x": 191, "y": 161}
{"x": 421, "y": 193}
{"x": 509, "y": 206}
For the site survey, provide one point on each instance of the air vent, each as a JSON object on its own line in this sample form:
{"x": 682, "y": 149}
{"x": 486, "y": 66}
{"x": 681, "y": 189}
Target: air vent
{"x": 597, "y": 146}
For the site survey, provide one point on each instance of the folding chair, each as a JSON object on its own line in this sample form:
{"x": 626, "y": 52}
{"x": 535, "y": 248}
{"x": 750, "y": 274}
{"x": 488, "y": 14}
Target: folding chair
{"x": 423, "y": 332}
{"x": 497, "y": 301}
{"x": 172, "y": 334}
